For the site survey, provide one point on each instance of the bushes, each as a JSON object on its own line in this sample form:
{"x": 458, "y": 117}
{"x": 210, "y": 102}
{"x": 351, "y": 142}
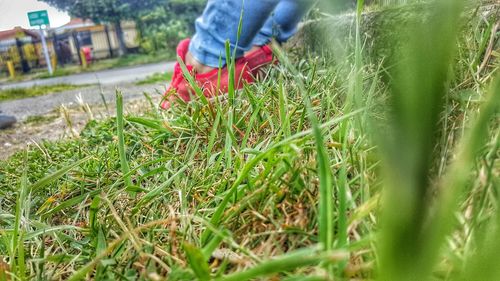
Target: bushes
{"x": 163, "y": 27}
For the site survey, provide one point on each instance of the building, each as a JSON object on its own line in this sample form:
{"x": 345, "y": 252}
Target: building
{"x": 8, "y": 37}
{"x": 21, "y": 46}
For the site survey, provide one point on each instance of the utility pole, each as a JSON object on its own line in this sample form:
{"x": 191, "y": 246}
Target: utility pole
{"x": 46, "y": 52}
{"x": 39, "y": 18}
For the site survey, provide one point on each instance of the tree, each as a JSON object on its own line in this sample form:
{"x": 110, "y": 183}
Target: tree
{"x": 165, "y": 25}
{"x": 107, "y": 11}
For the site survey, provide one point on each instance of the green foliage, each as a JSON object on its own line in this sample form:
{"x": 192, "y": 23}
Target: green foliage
{"x": 105, "y": 10}
{"x": 165, "y": 25}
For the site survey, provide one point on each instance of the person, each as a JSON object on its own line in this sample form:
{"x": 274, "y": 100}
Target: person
{"x": 87, "y": 52}
{"x": 65, "y": 54}
{"x": 261, "y": 21}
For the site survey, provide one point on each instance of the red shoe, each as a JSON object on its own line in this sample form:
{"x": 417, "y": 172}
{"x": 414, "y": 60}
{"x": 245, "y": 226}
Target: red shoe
{"x": 260, "y": 58}
{"x": 178, "y": 85}
{"x": 246, "y": 69}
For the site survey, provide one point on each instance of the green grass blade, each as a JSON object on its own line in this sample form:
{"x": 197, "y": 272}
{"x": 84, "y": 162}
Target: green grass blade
{"x": 70, "y": 203}
{"x": 326, "y": 204}
{"x": 407, "y": 249}
{"x": 155, "y": 192}
{"x": 121, "y": 138}
{"x": 197, "y": 90}
{"x": 17, "y": 245}
{"x": 150, "y": 123}
{"x": 287, "y": 262}
{"x": 455, "y": 183}
{"x": 230, "y": 69}
{"x": 197, "y": 262}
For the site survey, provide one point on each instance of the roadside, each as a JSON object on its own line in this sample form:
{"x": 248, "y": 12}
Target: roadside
{"x": 100, "y": 65}
{"x": 105, "y": 94}
{"x": 49, "y": 114}
{"x": 63, "y": 115}
{"x": 105, "y": 77}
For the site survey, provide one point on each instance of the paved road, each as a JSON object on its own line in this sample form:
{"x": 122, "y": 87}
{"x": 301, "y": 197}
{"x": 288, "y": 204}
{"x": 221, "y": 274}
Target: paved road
{"x": 104, "y": 77}
{"x": 41, "y": 105}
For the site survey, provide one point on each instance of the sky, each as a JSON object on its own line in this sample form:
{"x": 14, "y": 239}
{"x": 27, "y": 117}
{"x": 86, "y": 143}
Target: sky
{"x": 14, "y": 13}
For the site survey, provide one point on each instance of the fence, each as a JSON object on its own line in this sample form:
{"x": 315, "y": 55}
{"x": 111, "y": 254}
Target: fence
{"x": 23, "y": 53}
{"x": 64, "y": 47}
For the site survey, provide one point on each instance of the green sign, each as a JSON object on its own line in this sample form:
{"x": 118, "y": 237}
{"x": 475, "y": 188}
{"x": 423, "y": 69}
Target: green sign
{"x": 38, "y": 18}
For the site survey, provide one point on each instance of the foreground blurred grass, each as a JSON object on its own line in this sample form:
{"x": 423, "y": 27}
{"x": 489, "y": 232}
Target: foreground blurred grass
{"x": 320, "y": 171}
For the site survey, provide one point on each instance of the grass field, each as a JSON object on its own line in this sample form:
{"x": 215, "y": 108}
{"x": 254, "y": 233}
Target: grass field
{"x": 157, "y": 78}
{"x": 21, "y": 93}
{"x": 323, "y": 170}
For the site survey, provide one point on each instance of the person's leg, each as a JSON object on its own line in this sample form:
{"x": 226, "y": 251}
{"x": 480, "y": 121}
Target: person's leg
{"x": 282, "y": 24}
{"x": 219, "y": 22}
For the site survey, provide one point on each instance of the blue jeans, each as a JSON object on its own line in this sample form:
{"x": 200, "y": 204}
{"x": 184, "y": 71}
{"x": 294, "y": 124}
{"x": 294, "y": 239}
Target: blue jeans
{"x": 261, "y": 21}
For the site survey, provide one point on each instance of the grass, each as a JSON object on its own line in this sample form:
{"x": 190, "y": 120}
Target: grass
{"x": 156, "y": 78}
{"x": 21, "y": 93}
{"x": 138, "y": 59}
{"x": 320, "y": 171}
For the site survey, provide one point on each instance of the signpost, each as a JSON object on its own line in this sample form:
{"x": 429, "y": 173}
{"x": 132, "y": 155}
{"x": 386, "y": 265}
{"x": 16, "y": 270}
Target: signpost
{"x": 39, "y": 18}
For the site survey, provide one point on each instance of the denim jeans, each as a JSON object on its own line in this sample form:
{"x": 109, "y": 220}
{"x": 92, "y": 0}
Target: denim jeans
{"x": 261, "y": 21}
